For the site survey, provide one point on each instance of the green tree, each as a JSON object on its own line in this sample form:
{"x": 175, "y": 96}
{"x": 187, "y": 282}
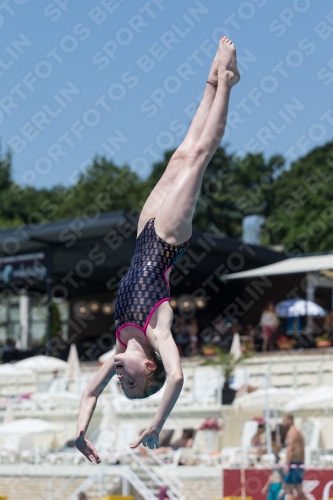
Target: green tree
{"x": 226, "y": 361}
{"x": 56, "y": 323}
{"x": 297, "y": 202}
{"x": 19, "y": 205}
{"x": 232, "y": 188}
{"x": 5, "y": 171}
{"x": 103, "y": 186}
{"x": 8, "y": 213}
{"x": 301, "y": 211}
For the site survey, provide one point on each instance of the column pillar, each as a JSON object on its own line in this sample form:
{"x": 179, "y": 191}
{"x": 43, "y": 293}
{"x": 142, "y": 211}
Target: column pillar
{"x": 125, "y": 487}
{"x": 310, "y": 288}
{"x": 49, "y": 282}
{"x": 24, "y": 303}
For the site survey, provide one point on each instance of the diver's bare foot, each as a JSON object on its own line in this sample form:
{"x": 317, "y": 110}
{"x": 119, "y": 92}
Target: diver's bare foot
{"x": 213, "y": 73}
{"x": 228, "y": 72}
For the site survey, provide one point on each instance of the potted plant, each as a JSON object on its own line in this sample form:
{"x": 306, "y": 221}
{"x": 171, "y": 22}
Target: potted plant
{"x": 247, "y": 347}
{"x": 211, "y": 426}
{"x": 208, "y": 350}
{"x": 228, "y": 363}
{"x": 323, "y": 340}
{"x": 284, "y": 342}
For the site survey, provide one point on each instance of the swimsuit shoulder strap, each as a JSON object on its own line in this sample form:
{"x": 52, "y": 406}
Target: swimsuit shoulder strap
{"x": 118, "y": 337}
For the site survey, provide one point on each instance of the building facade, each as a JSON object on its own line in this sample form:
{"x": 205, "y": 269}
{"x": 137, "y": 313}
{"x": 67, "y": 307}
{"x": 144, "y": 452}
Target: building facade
{"x": 58, "y": 281}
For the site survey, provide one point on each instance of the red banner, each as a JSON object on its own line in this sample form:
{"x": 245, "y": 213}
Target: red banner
{"x": 317, "y": 484}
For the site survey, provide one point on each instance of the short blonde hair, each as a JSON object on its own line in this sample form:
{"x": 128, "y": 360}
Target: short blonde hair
{"x": 155, "y": 378}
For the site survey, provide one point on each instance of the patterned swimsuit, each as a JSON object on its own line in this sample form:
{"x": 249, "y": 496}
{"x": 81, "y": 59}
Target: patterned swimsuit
{"x": 145, "y": 286}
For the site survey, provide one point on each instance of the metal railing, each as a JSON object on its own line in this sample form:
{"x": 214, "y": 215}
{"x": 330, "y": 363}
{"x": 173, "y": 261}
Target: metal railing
{"x": 147, "y": 485}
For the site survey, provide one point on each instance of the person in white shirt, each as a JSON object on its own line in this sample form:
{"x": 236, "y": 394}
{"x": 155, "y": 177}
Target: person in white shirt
{"x": 269, "y": 323}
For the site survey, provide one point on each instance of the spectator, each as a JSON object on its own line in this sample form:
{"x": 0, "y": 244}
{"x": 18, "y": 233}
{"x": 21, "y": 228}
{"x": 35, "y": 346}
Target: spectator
{"x": 220, "y": 326}
{"x": 245, "y": 389}
{"x": 163, "y": 494}
{"x": 259, "y": 440}
{"x": 82, "y": 496}
{"x": 249, "y": 330}
{"x": 9, "y": 351}
{"x": 193, "y": 331}
{"x": 236, "y": 327}
{"x": 182, "y": 338}
{"x": 269, "y": 326}
{"x": 185, "y": 441}
{"x": 253, "y": 336}
{"x": 328, "y": 325}
{"x": 294, "y": 466}
{"x": 233, "y": 326}
{"x": 222, "y": 334}
{"x": 274, "y": 486}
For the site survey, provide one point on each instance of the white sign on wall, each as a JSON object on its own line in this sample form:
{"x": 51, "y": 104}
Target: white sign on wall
{"x": 22, "y": 267}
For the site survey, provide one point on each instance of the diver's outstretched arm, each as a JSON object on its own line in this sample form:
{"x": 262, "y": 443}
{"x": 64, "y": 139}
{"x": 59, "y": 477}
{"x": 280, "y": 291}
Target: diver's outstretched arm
{"x": 87, "y": 407}
{"x": 170, "y": 357}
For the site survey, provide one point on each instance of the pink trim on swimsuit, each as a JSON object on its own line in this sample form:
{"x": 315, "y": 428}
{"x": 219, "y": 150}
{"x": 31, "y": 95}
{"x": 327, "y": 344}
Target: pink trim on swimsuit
{"x": 134, "y": 285}
{"x": 165, "y": 273}
{"x": 137, "y": 326}
{"x": 149, "y": 316}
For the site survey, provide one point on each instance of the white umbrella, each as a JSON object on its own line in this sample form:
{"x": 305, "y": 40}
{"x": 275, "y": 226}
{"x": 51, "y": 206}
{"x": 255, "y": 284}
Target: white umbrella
{"x": 28, "y": 426}
{"x": 294, "y": 308}
{"x": 314, "y": 399}
{"x": 257, "y": 400}
{"x": 42, "y": 364}
{"x": 235, "y": 348}
{"x": 107, "y": 355}
{"x": 73, "y": 364}
{"x": 11, "y": 370}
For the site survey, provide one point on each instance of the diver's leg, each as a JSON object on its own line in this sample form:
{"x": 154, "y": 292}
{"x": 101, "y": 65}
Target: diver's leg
{"x": 164, "y": 185}
{"x": 174, "y": 219}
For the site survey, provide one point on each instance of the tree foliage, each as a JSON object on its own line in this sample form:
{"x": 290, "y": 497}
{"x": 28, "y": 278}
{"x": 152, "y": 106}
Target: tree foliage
{"x": 56, "y": 326}
{"x": 231, "y": 189}
{"x": 227, "y": 361}
{"x": 103, "y": 187}
{"x": 301, "y": 211}
{"x": 296, "y": 202}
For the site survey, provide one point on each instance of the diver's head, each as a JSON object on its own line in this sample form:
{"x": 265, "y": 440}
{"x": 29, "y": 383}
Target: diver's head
{"x": 140, "y": 372}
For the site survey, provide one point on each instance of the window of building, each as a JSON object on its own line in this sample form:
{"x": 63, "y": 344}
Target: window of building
{"x": 10, "y": 326}
{"x": 9, "y": 319}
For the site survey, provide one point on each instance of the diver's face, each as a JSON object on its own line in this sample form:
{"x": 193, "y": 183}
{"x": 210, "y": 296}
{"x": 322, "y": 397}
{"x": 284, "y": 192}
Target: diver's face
{"x": 131, "y": 372}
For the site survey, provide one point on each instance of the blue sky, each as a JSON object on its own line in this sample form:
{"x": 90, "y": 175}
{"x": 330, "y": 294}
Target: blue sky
{"x": 122, "y": 79}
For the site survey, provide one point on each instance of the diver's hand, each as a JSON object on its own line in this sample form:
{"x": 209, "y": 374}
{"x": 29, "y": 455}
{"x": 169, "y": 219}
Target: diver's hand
{"x": 149, "y": 437}
{"x": 86, "y": 448}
